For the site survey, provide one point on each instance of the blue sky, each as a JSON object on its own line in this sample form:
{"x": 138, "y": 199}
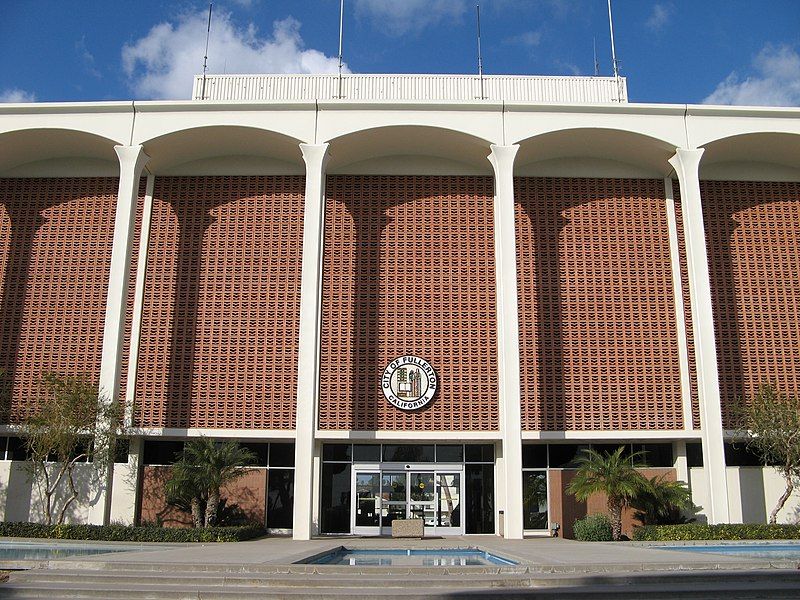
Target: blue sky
{"x": 720, "y": 51}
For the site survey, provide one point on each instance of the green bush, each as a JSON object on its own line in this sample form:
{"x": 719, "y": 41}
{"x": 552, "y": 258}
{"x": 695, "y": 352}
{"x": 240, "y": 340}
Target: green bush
{"x": 699, "y": 531}
{"x": 594, "y": 528}
{"x": 122, "y": 533}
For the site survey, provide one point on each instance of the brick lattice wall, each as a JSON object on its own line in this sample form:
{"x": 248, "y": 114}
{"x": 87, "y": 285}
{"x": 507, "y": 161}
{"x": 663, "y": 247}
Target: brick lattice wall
{"x": 753, "y": 240}
{"x": 598, "y": 337}
{"x": 409, "y": 269}
{"x": 220, "y": 320}
{"x": 56, "y": 236}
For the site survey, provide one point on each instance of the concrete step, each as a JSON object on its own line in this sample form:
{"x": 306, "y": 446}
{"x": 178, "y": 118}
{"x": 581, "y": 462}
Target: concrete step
{"x": 127, "y": 578}
{"x": 343, "y": 577}
{"x": 730, "y": 591}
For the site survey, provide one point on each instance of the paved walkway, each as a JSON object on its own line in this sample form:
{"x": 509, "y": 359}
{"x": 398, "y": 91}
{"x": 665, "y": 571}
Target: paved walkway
{"x": 535, "y": 554}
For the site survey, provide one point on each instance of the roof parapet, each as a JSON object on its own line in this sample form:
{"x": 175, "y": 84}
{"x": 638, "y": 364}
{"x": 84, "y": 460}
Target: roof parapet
{"x": 400, "y": 88}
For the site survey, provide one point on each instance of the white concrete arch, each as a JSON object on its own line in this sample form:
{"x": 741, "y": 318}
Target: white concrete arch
{"x": 757, "y": 156}
{"x": 477, "y": 120}
{"x": 157, "y": 119}
{"x": 224, "y": 150}
{"x": 409, "y": 150}
{"x": 593, "y": 152}
{"x": 56, "y": 152}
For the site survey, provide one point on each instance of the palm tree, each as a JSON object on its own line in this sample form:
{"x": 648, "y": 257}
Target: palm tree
{"x": 612, "y": 475}
{"x": 662, "y": 502}
{"x": 202, "y": 469}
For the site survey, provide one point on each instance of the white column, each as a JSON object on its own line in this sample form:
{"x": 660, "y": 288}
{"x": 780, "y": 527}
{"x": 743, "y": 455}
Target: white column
{"x": 131, "y": 162}
{"x": 316, "y": 158}
{"x": 680, "y": 462}
{"x": 680, "y": 314}
{"x": 505, "y": 257}
{"x": 687, "y": 165}
{"x": 138, "y": 301}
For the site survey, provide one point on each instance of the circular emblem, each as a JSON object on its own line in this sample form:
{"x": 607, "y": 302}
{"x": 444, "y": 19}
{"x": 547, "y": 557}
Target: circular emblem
{"x": 409, "y": 382}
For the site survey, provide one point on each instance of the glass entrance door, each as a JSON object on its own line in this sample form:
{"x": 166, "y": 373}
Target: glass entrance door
{"x": 394, "y": 499}
{"x": 448, "y": 504}
{"x": 366, "y": 520}
{"x": 383, "y": 496}
{"x": 422, "y": 498}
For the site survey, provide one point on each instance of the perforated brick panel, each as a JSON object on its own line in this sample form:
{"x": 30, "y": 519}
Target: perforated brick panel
{"x": 55, "y": 238}
{"x": 409, "y": 269}
{"x": 687, "y": 305}
{"x": 219, "y": 337}
{"x": 598, "y": 337}
{"x": 753, "y": 239}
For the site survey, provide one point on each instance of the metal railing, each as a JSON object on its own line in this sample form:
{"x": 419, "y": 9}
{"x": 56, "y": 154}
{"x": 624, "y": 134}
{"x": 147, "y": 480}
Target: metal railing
{"x": 448, "y": 88}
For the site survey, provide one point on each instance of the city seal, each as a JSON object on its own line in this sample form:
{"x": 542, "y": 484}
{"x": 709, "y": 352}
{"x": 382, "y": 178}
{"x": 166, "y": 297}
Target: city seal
{"x": 409, "y": 382}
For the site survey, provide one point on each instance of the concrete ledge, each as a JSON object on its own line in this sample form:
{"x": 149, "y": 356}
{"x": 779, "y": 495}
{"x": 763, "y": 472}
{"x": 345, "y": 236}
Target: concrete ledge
{"x": 408, "y": 528}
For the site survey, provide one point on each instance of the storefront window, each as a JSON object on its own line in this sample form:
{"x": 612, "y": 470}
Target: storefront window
{"x": 479, "y": 498}
{"x": 280, "y": 498}
{"x": 534, "y": 499}
{"x": 335, "y": 500}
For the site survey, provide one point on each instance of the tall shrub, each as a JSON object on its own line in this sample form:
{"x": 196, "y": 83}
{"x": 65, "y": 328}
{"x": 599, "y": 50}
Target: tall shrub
{"x": 612, "y": 475}
{"x": 202, "y": 469}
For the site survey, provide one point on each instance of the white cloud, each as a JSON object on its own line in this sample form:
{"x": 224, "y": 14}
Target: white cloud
{"x": 16, "y": 95}
{"x": 163, "y": 63}
{"x": 398, "y": 17}
{"x": 529, "y": 39}
{"x": 660, "y": 16}
{"x": 774, "y": 81}
{"x": 87, "y": 58}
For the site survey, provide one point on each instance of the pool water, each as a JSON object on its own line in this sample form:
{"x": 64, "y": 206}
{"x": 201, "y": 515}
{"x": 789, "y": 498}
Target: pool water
{"x": 776, "y": 551}
{"x": 410, "y": 558}
{"x": 46, "y": 551}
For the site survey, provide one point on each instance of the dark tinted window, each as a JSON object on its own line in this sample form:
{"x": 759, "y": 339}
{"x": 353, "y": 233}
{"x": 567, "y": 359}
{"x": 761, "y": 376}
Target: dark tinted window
{"x": 16, "y": 449}
{"x": 449, "y": 453}
{"x": 121, "y": 451}
{"x": 479, "y": 487}
{"x": 260, "y": 451}
{"x": 738, "y": 455}
{"x": 335, "y": 498}
{"x": 534, "y": 456}
{"x": 565, "y": 456}
{"x": 408, "y": 453}
{"x": 609, "y": 449}
{"x": 281, "y": 455}
{"x": 161, "y": 452}
{"x": 337, "y": 452}
{"x": 280, "y": 498}
{"x": 3, "y": 444}
{"x": 367, "y": 452}
{"x": 694, "y": 455}
{"x": 479, "y": 453}
{"x": 655, "y": 455}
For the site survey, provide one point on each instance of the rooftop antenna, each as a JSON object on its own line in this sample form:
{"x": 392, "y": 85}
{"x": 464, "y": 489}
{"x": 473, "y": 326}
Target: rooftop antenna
{"x": 341, "y": 24}
{"x": 480, "y": 58}
{"x": 205, "y": 58}
{"x": 614, "y": 52}
{"x": 596, "y": 62}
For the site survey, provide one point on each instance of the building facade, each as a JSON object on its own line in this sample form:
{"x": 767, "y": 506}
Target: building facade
{"x": 410, "y": 296}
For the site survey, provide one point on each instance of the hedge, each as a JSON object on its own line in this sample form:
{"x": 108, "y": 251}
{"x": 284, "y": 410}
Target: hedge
{"x": 699, "y": 531}
{"x": 121, "y": 533}
{"x": 593, "y": 528}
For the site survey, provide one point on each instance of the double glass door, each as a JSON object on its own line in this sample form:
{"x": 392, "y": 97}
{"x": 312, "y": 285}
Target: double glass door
{"x": 385, "y": 495}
